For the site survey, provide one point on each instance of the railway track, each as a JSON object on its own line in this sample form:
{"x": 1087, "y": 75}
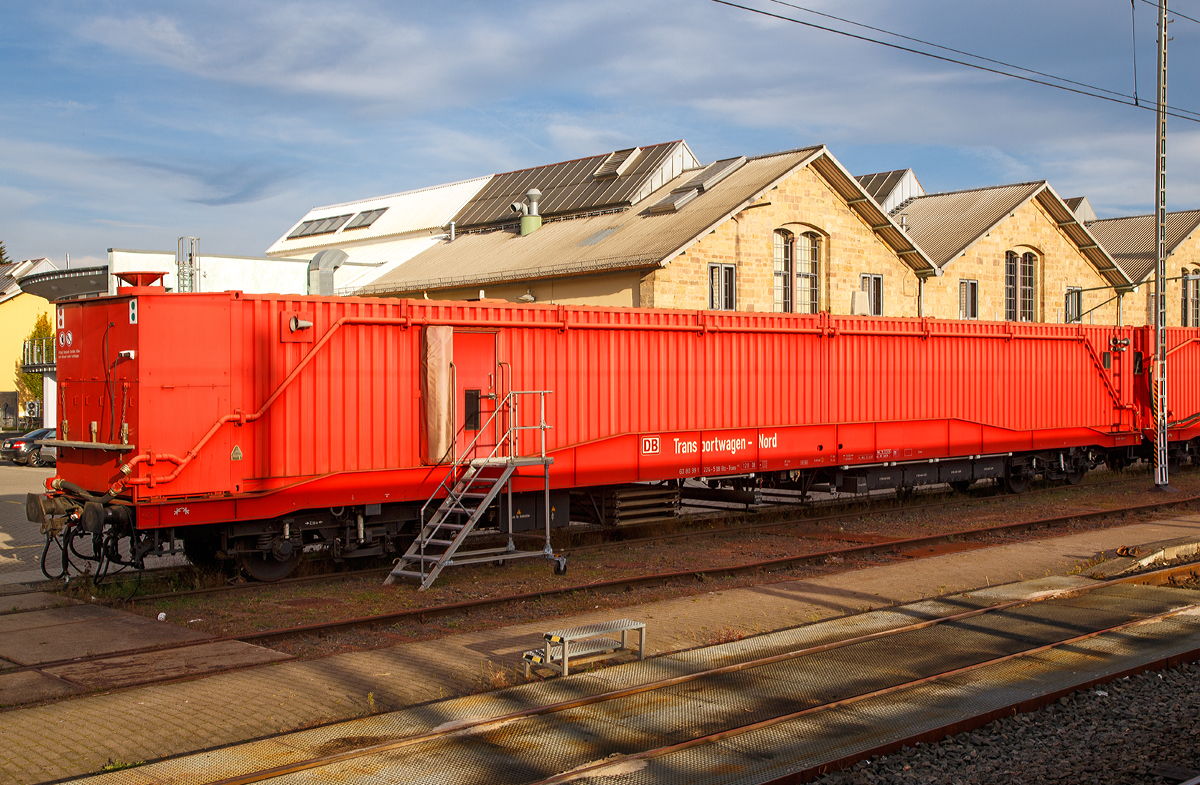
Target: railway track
{"x": 426, "y": 613}
{"x": 777, "y": 708}
{"x": 692, "y": 525}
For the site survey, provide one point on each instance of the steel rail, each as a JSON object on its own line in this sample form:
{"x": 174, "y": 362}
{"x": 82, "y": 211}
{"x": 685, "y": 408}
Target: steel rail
{"x": 560, "y": 706}
{"x": 741, "y": 730}
{"x": 422, "y": 614}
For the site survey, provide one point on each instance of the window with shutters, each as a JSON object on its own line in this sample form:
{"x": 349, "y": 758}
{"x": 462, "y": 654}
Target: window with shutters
{"x": 785, "y": 247}
{"x": 1019, "y": 276}
{"x": 1073, "y": 306}
{"x": 968, "y": 299}
{"x": 873, "y": 286}
{"x": 722, "y": 281}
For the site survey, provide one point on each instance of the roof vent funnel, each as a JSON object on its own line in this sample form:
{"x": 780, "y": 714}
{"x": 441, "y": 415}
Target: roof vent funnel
{"x": 530, "y": 220}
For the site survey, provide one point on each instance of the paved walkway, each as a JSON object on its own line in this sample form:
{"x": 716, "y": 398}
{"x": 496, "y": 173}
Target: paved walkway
{"x": 78, "y": 736}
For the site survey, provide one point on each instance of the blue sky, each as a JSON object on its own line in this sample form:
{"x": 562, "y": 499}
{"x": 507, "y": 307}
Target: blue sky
{"x": 130, "y": 124}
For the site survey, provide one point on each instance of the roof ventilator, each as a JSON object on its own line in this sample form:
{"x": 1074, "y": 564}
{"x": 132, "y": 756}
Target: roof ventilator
{"x": 706, "y": 179}
{"x": 617, "y": 164}
{"x": 530, "y": 220}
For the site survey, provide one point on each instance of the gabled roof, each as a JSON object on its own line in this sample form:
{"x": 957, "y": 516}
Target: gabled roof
{"x": 947, "y": 225}
{"x": 609, "y": 180}
{"x": 637, "y": 238}
{"x": 1131, "y": 240}
{"x": 425, "y": 209}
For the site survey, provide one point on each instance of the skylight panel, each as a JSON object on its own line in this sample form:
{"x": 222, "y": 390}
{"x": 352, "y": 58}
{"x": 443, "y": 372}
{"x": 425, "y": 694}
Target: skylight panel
{"x": 712, "y": 174}
{"x": 365, "y": 219}
{"x": 673, "y": 202}
{"x": 617, "y": 164}
{"x": 302, "y": 230}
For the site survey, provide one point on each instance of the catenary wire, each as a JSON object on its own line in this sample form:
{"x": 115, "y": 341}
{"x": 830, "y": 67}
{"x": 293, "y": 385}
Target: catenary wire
{"x": 945, "y": 48}
{"x": 1112, "y": 99}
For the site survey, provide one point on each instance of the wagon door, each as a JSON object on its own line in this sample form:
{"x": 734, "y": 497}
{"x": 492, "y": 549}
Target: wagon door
{"x": 475, "y": 392}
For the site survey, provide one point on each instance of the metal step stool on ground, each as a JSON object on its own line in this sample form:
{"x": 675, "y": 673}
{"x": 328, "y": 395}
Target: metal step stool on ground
{"x": 471, "y": 486}
{"x": 584, "y": 642}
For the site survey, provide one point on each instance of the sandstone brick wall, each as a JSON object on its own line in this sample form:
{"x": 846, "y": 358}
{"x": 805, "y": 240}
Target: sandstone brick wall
{"x": 1139, "y": 307}
{"x": 1059, "y": 264}
{"x": 802, "y": 203}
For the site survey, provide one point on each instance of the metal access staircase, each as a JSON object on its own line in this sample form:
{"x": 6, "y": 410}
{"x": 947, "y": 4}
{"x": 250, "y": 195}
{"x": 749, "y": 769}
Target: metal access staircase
{"x": 471, "y": 486}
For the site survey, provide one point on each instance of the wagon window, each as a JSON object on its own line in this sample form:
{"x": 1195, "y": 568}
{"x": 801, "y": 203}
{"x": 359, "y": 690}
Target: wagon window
{"x": 471, "y": 410}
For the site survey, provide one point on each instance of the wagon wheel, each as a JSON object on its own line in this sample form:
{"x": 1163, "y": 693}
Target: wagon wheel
{"x": 1016, "y": 483}
{"x": 1116, "y": 463}
{"x": 267, "y": 568}
{"x": 961, "y": 486}
{"x": 1076, "y": 477}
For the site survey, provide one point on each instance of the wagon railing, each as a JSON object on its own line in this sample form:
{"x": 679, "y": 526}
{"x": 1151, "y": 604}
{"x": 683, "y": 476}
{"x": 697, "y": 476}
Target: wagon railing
{"x": 468, "y": 490}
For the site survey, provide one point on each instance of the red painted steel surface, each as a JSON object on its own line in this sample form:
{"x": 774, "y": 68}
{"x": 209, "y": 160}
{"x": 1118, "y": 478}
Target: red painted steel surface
{"x": 636, "y": 394}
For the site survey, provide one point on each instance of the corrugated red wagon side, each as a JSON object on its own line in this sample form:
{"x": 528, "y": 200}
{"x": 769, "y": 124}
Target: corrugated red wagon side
{"x": 236, "y": 420}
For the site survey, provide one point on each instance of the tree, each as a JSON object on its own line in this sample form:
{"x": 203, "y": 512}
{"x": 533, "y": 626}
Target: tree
{"x": 3, "y": 254}
{"x": 29, "y": 385}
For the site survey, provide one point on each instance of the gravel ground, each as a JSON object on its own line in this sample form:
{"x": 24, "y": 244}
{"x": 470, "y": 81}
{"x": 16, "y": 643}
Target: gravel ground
{"x": 1117, "y": 733}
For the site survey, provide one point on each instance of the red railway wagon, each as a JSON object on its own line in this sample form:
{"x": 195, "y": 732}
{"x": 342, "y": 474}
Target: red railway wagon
{"x": 250, "y": 426}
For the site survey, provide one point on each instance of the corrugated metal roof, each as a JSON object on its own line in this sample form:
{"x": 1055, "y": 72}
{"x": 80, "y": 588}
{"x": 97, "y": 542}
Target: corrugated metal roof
{"x": 946, "y": 225}
{"x": 1131, "y": 240}
{"x": 384, "y": 256}
{"x": 410, "y": 211}
{"x": 571, "y": 187}
{"x": 634, "y": 238}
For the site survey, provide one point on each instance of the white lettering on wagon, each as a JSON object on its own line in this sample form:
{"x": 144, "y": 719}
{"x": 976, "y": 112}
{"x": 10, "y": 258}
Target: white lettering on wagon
{"x": 684, "y": 447}
{"x": 765, "y": 442}
{"x": 718, "y": 444}
{"x": 182, "y": 511}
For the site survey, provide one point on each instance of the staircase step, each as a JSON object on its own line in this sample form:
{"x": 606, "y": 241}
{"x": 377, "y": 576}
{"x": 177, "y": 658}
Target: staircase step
{"x": 432, "y": 541}
{"x": 408, "y": 574}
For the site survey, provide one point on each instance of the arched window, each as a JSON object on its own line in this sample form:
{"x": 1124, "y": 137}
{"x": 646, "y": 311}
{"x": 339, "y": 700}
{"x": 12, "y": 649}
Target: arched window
{"x": 808, "y": 258}
{"x": 1018, "y": 286}
{"x": 785, "y": 246}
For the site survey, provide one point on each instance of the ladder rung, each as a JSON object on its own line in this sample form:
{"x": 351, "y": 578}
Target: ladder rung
{"x": 407, "y": 574}
{"x": 451, "y": 526}
{"x": 437, "y": 542}
{"x": 418, "y": 557}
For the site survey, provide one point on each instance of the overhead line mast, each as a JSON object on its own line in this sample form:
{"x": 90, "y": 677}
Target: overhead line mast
{"x": 1161, "y": 480}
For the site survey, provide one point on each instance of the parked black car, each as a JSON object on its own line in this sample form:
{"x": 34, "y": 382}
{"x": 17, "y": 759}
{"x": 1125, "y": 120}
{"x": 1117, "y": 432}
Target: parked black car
{"x": 20, "y": 448}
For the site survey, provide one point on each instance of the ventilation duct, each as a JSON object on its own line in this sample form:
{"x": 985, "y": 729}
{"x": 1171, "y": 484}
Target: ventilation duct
{"x": 321, "y": 270}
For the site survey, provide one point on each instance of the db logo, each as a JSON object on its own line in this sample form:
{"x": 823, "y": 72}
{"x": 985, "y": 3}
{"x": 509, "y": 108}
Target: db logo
{"x": 649, "y": 445}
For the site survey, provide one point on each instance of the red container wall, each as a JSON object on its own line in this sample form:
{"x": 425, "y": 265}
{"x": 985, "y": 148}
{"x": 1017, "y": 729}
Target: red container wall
{"x": 712, "y": 392}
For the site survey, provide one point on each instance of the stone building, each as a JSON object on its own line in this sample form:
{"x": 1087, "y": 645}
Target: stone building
{"x": 1013, "y": 253}
{"x": 787, "y": 232}
{"x": 1131, "y": 242}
